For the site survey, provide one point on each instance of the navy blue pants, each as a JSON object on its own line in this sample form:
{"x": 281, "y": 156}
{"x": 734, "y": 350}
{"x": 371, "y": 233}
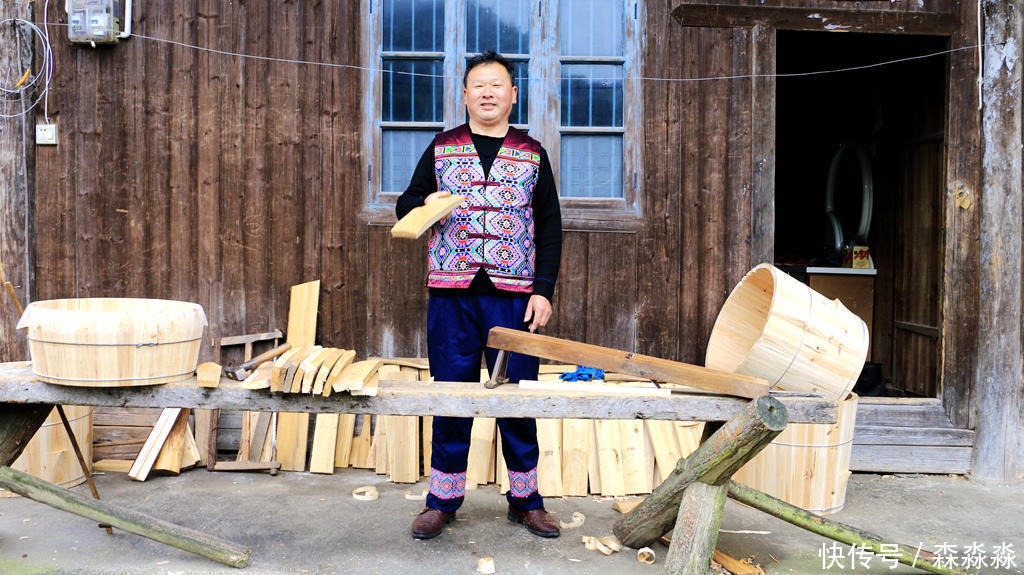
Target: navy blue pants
{"x": 457, "y": 327}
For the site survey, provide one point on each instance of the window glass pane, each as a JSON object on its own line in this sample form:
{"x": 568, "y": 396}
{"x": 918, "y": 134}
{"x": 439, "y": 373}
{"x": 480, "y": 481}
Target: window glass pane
{"x": 591, "y": 27}
{"x": 591, "y": 166}
{"x": 401, "y": 151}
{"x": 591, "y": 94}
{"x": 500, "y": 25}
{"x": 413, "y": 91}
{"x": 413, "y": 26}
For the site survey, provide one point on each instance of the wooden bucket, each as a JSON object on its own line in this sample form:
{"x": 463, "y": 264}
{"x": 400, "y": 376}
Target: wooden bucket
{"x": 49, "y": 455}
{"x": 808, "y": 464}
{"x": 779, "y": 329}
{"x": 113, "y": 342}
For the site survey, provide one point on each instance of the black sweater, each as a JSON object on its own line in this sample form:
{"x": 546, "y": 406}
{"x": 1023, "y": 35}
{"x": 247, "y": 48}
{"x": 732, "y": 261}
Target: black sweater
{"x": 546, "y": 212}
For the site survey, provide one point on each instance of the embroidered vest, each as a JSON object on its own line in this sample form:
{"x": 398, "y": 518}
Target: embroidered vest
{"x": 493, "y": 228}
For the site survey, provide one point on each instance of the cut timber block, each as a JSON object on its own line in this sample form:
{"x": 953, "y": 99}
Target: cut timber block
{"x": 114, "y": 465}
{"x": 421, "y": 218}
{"x": 480, "y": 466}
{"x": 343, "y": 447}
{"x": 369, "y": 387}
{"x": 625, "y": 362}
{"x": 310, "y": 367}
{"x": 260, "y": 377}
{"x": 190, "y": 453}
{"x": 549, "y": 462}
{"x": 575, "y": 456}
{"x": 279, "y": 369}
{"x": 696, "y": 530}
{"x": 302, "y": 309}
{"x": 361, "y": 444}
{"x": 325, "y": 438}
{"x": 151, "y": 449}
{"x": 208, "y": 374}
{"x": 403, "y": 436}
{"x": 344, "y": 360}
{"x": 169, "y": 459}
{"x": 637, "y": 467}
{"x": 355, "y": 376}
{"x": 292, "y": 436}
{"x": 325, "y": 369}
{"x": 609, "y": 451}
{"x": 291, "y": 383}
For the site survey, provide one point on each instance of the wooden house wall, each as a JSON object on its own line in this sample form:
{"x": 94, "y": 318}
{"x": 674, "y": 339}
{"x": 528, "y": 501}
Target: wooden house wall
{"x": 190, "y": 175}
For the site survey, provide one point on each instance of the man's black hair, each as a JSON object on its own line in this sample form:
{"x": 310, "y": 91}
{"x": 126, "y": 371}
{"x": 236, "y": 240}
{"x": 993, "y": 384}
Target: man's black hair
{"x": 488, "y": 57}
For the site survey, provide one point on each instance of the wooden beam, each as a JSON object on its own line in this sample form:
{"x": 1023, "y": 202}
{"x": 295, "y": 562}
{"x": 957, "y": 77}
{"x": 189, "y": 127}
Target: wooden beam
{"x": 998, "y": 377}
{"x": 815, "y": 19}
{"x": 18, "y": 423}
{"x": 910, "y": 459}
{"x": 625, "y": 362}
{"x": 131, "y": 521}
{"x": 453, "y": 399}
{"x": 696, "y": 531}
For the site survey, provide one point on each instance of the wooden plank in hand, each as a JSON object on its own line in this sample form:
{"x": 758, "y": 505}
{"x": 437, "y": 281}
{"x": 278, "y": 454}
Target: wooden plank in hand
{"x": 421, "y": 218}
{"x": 625, "y": 362}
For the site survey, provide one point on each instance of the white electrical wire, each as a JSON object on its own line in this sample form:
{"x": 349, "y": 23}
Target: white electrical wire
{"x": 39, "y": 82}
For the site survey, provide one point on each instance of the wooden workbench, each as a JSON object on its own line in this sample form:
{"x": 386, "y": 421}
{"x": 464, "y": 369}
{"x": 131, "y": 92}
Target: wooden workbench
{"x": 18, "y": 386}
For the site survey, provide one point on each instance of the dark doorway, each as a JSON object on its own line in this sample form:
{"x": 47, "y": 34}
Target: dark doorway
{"x": 885, "y": 125}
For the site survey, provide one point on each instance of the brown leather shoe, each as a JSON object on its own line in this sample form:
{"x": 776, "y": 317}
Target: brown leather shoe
{"x": 537, "y": 521}
{"x": 430, "y": 522}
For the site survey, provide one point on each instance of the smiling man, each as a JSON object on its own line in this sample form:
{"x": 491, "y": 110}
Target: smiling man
{"x": 492, "y": 262}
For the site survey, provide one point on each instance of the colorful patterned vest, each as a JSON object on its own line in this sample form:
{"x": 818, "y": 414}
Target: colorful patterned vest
{"x": 493, "y": 228}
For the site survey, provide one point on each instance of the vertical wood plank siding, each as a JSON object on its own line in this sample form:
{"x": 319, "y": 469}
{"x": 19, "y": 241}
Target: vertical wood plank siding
{"x": 203, "y": 177}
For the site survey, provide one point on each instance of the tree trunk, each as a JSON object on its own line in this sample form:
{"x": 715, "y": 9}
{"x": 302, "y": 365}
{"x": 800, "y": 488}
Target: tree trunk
{"x": 696, "y": 530}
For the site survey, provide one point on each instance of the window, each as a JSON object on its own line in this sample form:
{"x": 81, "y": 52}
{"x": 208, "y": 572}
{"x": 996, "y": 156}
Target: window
{"x": 576, "y": 65}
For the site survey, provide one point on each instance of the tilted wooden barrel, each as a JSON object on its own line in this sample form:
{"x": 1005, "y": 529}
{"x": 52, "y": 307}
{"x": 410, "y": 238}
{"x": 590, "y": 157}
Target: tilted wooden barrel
{"x": 50, "y": 456}
{"x": 113, "y": 342}
{"x": 777, "y": 328}
{"x": 808, "y": 464}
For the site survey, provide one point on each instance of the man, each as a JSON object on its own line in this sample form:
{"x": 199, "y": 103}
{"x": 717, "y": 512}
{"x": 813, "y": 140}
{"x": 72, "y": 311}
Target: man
{"x": 493, "y": 262}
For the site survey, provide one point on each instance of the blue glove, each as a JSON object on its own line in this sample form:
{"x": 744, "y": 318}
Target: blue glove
{"x": 583, "y": 373}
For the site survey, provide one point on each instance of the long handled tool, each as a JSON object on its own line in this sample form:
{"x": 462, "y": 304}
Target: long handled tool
{"x": 241, "y": 372}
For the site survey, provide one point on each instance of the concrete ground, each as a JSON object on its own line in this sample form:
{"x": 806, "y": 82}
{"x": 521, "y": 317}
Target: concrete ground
{"x": 299, "y": 523}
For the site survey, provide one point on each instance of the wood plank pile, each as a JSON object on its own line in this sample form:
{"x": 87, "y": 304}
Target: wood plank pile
{"x": 316, "y": 370}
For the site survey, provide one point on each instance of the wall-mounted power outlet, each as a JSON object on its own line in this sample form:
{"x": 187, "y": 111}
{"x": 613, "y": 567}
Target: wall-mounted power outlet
{"x": 46, "y": 134}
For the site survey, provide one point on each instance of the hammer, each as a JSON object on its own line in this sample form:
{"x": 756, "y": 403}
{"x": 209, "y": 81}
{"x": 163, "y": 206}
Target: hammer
{"x": 241, "y": 372}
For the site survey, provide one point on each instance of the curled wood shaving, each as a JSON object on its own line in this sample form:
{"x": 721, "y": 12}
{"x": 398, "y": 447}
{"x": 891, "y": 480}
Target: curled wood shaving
{"x": 604, "y": 549}
{"x": 611, "y": 542}
{"x": 485, "y": 566}
{"x": 590, "y": 542}
{"x": 411, "y": 497}
{"x": 365, "y": 493}
{"x": 576, "y": 521}
{"x": 645, "y": 556}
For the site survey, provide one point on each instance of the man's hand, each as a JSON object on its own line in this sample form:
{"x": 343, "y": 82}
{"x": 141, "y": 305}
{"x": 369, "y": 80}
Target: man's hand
{"x": 538, "y": 309}
{"x": 435, "y": 196}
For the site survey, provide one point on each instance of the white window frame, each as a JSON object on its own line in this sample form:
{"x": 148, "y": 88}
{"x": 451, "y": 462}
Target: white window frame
{"x": 544, "y": 113}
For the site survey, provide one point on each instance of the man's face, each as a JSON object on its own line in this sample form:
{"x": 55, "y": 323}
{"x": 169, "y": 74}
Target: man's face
{"x": 489, "y": 94}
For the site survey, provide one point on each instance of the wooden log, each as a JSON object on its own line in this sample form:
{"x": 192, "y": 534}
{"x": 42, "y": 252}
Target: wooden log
{"x": 625, "y": 362}
{"x": 843, "y": 533}
{"x": 131, "y": 521}
{"x": 714, "y": 462}
{"x": 18, "y": 423}
{"x": 696, "y": 530}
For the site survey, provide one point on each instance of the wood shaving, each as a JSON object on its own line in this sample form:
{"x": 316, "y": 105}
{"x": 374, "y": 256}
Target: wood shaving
{"x": 485, "y": 566}
{"x": 365, "y": 493}
{"x": 645, "y": 556}
{"x": 576, "y": 521}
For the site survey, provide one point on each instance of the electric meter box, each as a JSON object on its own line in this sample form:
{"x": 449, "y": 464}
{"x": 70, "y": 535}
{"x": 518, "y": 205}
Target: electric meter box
{"x": 93, "y": 21}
